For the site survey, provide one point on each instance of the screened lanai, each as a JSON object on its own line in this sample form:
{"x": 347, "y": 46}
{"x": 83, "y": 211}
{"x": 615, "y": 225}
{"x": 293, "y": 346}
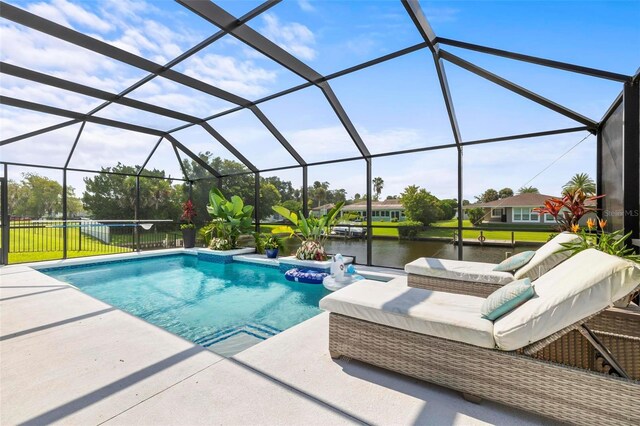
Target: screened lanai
{"x": 306, "y": 98}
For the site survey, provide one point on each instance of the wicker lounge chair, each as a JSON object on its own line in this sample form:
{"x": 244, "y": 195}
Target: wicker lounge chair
{"x": 456, "y": 276}
{"x": 548, "y": 356}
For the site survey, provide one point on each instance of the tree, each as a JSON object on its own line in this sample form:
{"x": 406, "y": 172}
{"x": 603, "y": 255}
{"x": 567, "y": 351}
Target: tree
{"x": 236, "y": 182}
{"x": 284, "y": 187}
{"x": 356, "y": 197}
{"x": 476, "y": 216}
{"x": 35, "y": 197}
{"x": 449, "y": 208}
{"x": 17, "y": 195}
{"x": 378, "y": 184}
{"x": 292, "y": 205}
{"x": 113, "y": 196}
{"x": 420, "y": 205}
{"x": 581, "y": 181}
{"x": 505, "y": 193}
{"x": 488, "y": 196}
{"x": 528, "y": 190}
{"x": 269, "y": 197}
{"x": 74, "y": 204}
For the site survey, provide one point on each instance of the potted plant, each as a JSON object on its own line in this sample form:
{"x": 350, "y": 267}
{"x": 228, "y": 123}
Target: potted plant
{"x": 614, "y": 243}
{"x": 231, "y": 218}
{"x": 312, "y": 231}
{"x": 188, "y": 228}
{"x": 272, "y": 245}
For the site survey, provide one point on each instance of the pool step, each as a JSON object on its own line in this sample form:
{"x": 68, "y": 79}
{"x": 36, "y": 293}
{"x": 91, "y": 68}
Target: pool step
{"x": 259, "y": 331}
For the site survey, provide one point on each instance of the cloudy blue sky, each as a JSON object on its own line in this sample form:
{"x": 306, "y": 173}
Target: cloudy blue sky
{"x": 394, "y": 105}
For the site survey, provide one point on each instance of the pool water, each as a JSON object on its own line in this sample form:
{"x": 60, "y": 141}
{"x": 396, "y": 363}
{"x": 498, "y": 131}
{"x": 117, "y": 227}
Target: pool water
{"x": 225, "y": 307}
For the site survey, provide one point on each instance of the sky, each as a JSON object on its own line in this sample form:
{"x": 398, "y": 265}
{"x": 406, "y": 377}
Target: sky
{"x": 394, "y": 105}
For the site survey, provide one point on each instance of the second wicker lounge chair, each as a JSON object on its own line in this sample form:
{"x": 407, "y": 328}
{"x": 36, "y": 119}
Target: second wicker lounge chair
{"x": 548, "y": 356}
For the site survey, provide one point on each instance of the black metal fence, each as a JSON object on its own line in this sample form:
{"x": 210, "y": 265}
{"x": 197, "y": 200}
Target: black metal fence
{"x": 34, "y": 240}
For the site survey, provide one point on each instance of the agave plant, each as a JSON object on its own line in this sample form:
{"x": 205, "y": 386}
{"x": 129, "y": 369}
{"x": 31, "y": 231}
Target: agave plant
{"x": 309, "y": 230}
{"x": 231, "y": 218}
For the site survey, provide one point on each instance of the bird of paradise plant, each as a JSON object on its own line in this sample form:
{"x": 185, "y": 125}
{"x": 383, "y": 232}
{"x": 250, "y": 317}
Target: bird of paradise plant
{"x": 568, "y": 210}
{"x": 312, "y": 231}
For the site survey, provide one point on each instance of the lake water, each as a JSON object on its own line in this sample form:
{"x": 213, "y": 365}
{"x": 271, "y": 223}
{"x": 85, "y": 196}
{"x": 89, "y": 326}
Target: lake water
{"x": 397, "y": 253}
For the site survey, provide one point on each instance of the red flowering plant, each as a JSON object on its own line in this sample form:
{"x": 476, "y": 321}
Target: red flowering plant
{"x": 188, "y": 213}
{"x": 568, "y": 210}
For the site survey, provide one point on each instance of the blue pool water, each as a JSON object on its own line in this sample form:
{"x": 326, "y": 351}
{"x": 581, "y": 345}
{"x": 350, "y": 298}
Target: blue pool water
{"x": 226, "y": 307}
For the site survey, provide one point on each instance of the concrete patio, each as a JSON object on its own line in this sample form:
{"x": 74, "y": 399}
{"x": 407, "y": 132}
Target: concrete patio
{"x": 69, "y": 358}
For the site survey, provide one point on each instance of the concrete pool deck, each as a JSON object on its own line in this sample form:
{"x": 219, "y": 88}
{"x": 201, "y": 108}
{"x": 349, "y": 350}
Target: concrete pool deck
{"x": 66, "y": 357}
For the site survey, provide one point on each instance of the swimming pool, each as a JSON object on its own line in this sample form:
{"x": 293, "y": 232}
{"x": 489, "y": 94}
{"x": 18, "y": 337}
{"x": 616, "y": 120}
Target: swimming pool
{"x": 225, "y": 307}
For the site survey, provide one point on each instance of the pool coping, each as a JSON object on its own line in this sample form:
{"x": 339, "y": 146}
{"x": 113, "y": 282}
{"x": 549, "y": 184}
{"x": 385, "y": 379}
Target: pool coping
{"x": 243, "y": 255}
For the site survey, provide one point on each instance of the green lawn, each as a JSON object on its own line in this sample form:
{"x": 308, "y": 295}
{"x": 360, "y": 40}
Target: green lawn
{"x": 49, "y": 243}
{"x": 389, "y": 229}
{"x": 496, "y": 232}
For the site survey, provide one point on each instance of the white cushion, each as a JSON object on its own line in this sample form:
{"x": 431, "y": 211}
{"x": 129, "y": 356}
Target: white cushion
{"x": 546, "y": 257}
{"x": 449, "y": 316}
{"x": 458, "y": 270}
{"x": 577, "y": 288}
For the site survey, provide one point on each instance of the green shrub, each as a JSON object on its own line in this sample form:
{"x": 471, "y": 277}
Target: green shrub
{"x": 409, "y": 230}
{"x": 476, "y": 216}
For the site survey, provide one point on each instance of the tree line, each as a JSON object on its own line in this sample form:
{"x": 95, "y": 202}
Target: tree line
{"x": 112, "y": 195}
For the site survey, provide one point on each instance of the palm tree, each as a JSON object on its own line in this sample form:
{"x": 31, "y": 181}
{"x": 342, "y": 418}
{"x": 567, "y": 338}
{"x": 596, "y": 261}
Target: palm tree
{"x": 580, "y": 181}
{"x": 528, "y": 190}
{"x": 378, "y": 184}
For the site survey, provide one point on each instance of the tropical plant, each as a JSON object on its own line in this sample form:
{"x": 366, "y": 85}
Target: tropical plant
{"x": 272, "y": 242}
{"x": 580, "y": 181}
{"x": 378, "y": 184}
{"x": 613, "y": 243}
{"x": 188, "y": 212}
{"x": 528, "y": 190}
{"x": 311, "y": 250}
{"x": 568, "y": 210}
{"x": 231, "y": 218}
{"x": 310, "y": 229}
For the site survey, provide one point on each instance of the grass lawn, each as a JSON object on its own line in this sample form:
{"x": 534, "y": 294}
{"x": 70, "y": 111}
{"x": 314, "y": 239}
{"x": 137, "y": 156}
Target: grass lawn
{"x": 441, "y": 230}
{"x": 497, "y": 234}
{"x": 49, "y": 243}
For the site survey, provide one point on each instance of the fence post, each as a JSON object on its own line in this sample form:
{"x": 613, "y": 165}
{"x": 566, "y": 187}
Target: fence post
{"x": 257, "y": 201}
{"x": 64, "y": 213}
{"x": 136, "y": 212}
{"x": 369, "y": 228}
{"x": 460, "y": 209}
{"x": 5, "y": 217}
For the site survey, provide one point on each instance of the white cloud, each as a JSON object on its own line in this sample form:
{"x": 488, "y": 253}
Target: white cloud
{"x": 441, "y": 14}
{"x": 79, "y": 15}
{"x": 306, "y": 5}
{"x": 102, "y": 146}
{"x": 322, "y": 143}
{"x": 240, "y": 77}
{"x": 65, "y": 13}
{"x": 293, "y": 37}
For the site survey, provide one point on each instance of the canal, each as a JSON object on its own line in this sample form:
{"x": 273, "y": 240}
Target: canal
{"x": 396, "y": 253}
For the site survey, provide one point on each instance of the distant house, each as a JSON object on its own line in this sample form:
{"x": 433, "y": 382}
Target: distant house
{"x": 517, "y": 210}
{"x": 381, "y": 211}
